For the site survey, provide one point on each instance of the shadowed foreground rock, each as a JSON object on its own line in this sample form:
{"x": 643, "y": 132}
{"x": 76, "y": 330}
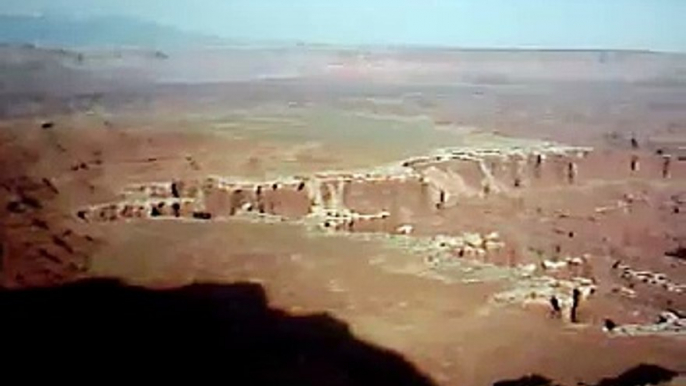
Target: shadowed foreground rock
{"x": 640, "y": 375}
{"x": 224, "y": 333}
{"x": 528, "y": 380}
{"x": 643, "y": 374}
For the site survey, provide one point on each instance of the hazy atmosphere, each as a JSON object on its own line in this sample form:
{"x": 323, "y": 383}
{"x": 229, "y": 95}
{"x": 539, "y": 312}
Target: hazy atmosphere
{"x": 607, "y": 24}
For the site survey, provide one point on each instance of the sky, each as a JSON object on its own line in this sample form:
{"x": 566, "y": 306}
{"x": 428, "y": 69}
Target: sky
{"x": 658, "y": 25}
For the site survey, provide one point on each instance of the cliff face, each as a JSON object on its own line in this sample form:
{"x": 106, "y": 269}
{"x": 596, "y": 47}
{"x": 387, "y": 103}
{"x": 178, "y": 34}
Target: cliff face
{"x": 414, "y": 187}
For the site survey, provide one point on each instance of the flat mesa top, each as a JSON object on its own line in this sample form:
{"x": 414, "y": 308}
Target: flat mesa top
{"x": 270, "y": 142}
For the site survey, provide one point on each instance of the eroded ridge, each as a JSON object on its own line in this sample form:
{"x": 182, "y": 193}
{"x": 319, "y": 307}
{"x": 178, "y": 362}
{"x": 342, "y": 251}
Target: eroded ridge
{"x": 375, "y": 199}
{"x": 437, "y": 179}
{"x": 400, "y": 199}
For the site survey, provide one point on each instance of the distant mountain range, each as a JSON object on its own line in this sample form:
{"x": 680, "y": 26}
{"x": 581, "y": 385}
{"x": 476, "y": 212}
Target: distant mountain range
{"x": 102, "y": 31}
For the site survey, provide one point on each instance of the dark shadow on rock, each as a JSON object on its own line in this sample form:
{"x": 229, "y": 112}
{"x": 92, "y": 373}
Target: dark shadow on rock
{"x": 528, "y": 380}
{"x": 641, "y": 375}
{"x": 222, "y": 333}
{"x": 677, "y": 253}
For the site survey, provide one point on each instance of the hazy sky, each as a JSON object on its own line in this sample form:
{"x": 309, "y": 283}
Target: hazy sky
{"x": 626, "y": 24}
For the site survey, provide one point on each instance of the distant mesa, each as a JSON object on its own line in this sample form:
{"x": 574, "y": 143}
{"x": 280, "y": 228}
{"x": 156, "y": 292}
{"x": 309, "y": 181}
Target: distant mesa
{"x": 101, "y": 31}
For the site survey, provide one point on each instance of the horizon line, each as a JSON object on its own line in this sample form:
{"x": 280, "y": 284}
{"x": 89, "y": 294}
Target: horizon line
{"x": 313, "y": 43}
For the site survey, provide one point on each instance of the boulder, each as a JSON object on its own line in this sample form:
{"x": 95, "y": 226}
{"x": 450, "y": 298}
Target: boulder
{"x": 473, "y": 239}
